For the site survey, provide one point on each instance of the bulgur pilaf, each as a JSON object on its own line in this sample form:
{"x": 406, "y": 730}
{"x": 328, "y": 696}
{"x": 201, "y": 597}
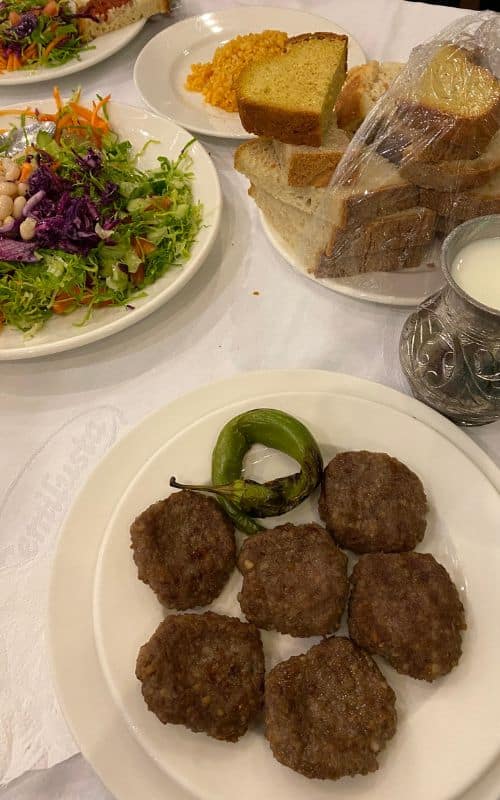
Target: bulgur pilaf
{"x": 216, "y": 80}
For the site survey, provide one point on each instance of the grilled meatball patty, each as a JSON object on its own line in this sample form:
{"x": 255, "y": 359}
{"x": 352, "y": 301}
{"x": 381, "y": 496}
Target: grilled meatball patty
{"x": 330, "y": 711}
{"x": 294, "y": 580}
{"x": 371, "y": 502}
{"x": 204, "y": 671}
{"x": 184, "y": 549}
{"x": 404, "y": 606}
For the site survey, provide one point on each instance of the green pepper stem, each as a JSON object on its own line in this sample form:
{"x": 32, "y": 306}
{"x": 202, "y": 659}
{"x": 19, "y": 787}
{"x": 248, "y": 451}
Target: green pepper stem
{"x": 219, "y": 490}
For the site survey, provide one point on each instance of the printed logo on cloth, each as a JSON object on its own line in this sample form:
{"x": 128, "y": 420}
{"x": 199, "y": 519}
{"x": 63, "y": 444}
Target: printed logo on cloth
{"x": 36, "y": 502}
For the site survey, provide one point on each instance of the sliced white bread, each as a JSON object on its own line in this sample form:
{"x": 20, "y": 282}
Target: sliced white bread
{"x": 312, "y": 166}
{"x": 374, "y": 247}
{"x": 375, "y": 188}
{"x": 454, "y": 176}
{"x": 116, "y": 14}
{"x": 452, "y": 107}
{"x": 257, "y": 160}
{"x": 297, "y": 228}
{"x": 363, "y": 88}
{"x": 462, "y": 205}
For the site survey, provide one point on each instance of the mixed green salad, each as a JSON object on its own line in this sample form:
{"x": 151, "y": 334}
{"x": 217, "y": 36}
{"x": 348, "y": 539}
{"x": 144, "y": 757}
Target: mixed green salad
{"x": 80, "y": 223}
{"x": 34, "y": 34}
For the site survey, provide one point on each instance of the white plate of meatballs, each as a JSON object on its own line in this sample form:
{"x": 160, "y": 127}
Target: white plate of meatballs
{"x": 352, "y": 641}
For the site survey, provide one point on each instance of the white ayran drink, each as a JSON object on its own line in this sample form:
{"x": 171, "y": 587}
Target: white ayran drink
{"x": 476, "y": 269}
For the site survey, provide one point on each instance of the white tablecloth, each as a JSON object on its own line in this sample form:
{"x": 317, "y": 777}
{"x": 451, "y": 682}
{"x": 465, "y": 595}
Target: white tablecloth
{"x": 58, "y": 415}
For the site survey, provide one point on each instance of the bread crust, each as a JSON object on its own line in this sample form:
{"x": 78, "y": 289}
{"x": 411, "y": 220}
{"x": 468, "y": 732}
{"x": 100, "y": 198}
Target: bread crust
{"x": 376, "y": 261}
{"x": 291, "y": 127}
{"x": 461, "y": 205}
{"x": 404, "y": 229}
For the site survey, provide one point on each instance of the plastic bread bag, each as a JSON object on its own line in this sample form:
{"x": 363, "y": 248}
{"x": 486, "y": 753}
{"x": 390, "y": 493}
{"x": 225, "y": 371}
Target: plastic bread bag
{"x": 425, "y": 159}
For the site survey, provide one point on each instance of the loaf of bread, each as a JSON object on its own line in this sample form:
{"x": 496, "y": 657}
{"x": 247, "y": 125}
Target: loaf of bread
{"x": 452, "y": 109}
{"x": 109, "y": 15}
{"x": 363, "y": 88}
{"x": 312, "y": 166}
{"x": 290, "y": 97}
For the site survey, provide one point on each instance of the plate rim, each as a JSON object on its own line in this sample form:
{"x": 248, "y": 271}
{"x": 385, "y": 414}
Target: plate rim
{"x": 330, "y": 284}
{"x": 143, "y": 311}
{"x": 214, "y": 133}
{"x": 105, "y": 757}
{"x": 75, "y": 65}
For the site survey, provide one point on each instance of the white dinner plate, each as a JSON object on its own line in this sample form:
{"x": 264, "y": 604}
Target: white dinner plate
{"x": 171, "y": 53}
{"x": 166, "y": 139}
{"x": 100, "y": 48}
{"x": 407, "y": 287}
{"x": 448, "y": 735}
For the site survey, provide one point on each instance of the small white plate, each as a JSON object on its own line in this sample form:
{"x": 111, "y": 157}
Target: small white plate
{"x": 406, "y": 287}
{"x": 101, "y": 48}
{"x": 138, "y": 126}
{"x": 448, "y": 734}
{"x": 163, "y": 65}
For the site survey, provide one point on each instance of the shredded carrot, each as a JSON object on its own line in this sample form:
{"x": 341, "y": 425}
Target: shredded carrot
{"x": 57, "y": 98}
{"x": 97, "y": 108}
{"x": 30, "y": 52}
{"x": 14, "y": 18}
{"x": 26, "y": 170}
{"x": 53, "y": 44}
{"x": 142, "y": 246}
{"x": 81, "y": 111}
{"x": 62, "y": 122}
{"x": 63, "y": 303}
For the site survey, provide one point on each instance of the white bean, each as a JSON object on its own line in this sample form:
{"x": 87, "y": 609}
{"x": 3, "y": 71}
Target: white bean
{"x": 22, "y": 188}
{"x": 27, "y": 229}
{"x": 8, "y": 188}
{"x": 12, "y": 173}
{"x": 18, "y": 206}
{"x": 6, "y": 205}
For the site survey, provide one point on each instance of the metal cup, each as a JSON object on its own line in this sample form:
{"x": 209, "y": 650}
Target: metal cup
{"x": 450, "y": 347}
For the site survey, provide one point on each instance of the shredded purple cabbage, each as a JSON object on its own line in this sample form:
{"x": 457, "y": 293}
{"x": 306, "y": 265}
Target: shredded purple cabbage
{"x": 25, "y": 27}
{"x": 12, "y": 250}
{"x": 92, "y": 161}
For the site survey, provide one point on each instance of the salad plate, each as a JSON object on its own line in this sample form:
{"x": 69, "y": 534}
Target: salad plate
{"x": 172, "y": 52}
{"x": 99, "y": 49}
{"x": 95, "y": 644}
{"x": 403, "y": 288}
{"x": 150, "y": 137}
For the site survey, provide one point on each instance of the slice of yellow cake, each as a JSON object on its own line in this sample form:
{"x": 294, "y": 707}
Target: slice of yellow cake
{"x": 291, "y": 97}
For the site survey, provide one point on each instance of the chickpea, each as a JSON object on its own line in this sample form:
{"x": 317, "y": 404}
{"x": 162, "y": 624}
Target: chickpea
{"x": 18, "y": 206}
{"x": 27, "y": 229}
{"x": 6, "y": 205}
{"x": 12, "y": 173}
{"x": 8, "y": 220}
{"x": 22, "y": 189}
{"x": 8, "y": 188}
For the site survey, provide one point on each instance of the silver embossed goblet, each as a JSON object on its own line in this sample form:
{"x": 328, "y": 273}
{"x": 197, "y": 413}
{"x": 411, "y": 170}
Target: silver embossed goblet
{"x": 450, "y": 347}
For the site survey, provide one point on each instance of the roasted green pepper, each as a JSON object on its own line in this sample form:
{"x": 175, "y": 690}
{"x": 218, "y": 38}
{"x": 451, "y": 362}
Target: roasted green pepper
{"x": 244, "y": 499}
